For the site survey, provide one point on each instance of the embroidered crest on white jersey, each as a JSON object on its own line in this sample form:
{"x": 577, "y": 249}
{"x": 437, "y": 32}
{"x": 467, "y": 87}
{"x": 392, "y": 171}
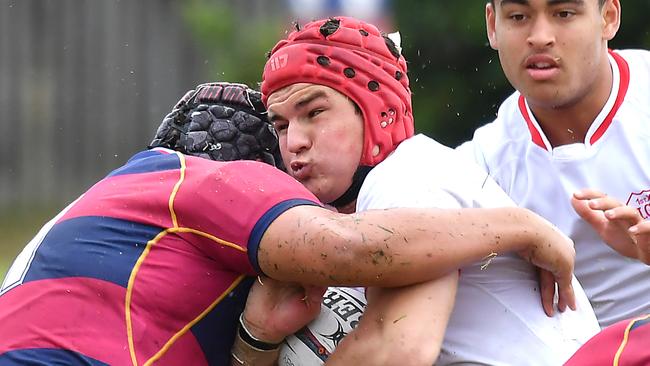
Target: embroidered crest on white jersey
{"x": 640, "y": 201}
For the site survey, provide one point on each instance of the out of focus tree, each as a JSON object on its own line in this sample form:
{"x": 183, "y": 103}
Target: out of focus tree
{"x": 455, "y": 76}
{"x": 233, "y": 44}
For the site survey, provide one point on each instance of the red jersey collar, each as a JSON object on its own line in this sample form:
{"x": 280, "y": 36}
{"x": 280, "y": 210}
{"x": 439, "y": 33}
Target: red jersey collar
{"x": 536, "y": 132}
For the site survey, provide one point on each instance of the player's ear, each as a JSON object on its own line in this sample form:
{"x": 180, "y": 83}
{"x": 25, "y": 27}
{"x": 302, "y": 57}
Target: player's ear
{"x": 490, "y": 24}
{"x": 611, "y": 13}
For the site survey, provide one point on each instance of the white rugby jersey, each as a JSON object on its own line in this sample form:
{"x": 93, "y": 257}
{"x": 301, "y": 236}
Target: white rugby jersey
{"x": 614, "y": 158}
{"x": 498, "y": 318}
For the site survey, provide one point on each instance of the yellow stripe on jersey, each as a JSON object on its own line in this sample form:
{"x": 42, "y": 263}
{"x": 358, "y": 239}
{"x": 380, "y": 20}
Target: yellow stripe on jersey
{"x": 626, "y": 336}
{"x": 189, "y": 325}
{"x": 208, "y": 236}
{"x": 145, "y": 253}
{"x": 136, "y": 268}
{"x": 129, "y": 294}
{"x": 177, "y": 186}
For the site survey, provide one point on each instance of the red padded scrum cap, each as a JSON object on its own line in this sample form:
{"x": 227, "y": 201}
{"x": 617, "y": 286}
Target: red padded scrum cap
{"x": 353, "y": 58}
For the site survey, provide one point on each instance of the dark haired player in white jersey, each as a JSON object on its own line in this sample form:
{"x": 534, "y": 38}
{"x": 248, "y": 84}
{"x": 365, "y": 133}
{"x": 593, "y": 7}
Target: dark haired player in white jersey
{"x": 576, "y": 127}
{"x": 579, "y": 119}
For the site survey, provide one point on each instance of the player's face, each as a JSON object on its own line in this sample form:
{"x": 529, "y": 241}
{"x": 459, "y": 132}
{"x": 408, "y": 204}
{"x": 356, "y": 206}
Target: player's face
{"x": 553, "y": 51}
{"x": 321, "y": 137}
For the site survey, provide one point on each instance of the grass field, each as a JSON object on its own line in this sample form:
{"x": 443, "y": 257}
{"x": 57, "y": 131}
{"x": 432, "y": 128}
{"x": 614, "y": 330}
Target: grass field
{"x": 18, "y": 226}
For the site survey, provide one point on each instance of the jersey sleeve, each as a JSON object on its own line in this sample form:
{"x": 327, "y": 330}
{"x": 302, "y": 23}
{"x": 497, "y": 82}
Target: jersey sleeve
{"x": 227, "y": 207}
{"x": 406, "y": 179}
{"x": 471, "y": 150}
{"x": 446, "y": 179}
{"x": 380, "y": 192}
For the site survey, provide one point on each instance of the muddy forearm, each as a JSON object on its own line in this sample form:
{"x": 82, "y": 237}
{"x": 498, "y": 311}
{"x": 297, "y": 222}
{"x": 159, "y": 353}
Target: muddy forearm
{"x": 388, "y": 248}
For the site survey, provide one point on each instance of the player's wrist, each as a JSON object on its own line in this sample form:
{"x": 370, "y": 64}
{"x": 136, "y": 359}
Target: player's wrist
{"x": 530, "y": 230}
{"x": 257, "y": 337}
{"x": 248, "y": 349}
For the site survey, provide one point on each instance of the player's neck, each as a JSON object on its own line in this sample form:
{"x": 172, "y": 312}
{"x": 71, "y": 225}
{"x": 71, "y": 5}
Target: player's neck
{"x": 348, "y": 208}
{"x": 569, "y": 124}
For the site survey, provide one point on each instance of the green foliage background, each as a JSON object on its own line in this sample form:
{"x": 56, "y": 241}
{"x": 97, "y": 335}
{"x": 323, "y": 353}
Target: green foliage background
{"x": 234, "y": 47}
{"x": 455, "y": 76}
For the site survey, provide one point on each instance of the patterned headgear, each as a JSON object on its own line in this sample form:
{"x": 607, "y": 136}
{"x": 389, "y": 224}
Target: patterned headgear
{"x": 353, "y": 58}
{"x": 220, "y": 121}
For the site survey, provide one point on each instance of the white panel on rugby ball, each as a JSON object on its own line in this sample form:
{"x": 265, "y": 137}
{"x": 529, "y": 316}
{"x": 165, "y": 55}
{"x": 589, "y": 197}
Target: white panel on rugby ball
{"x": 340, "y": 313}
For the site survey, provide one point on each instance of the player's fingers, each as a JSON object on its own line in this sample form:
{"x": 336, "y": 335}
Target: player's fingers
{"x": 588, "y": 193}
{"x": 627, "y": 213}
{"x": 582, "y": 208}
{"x": 643, "y": 254}
{"x": 547, "y": 289}
{"x": 567, "y": 296}
{"x": 640, "y": 234}
{"x": 642, "y": 228}
{"x": 604, "y": 203}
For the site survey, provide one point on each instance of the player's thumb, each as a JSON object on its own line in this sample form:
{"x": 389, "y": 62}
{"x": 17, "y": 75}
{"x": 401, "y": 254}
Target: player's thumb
{"x": 581, "y": 207}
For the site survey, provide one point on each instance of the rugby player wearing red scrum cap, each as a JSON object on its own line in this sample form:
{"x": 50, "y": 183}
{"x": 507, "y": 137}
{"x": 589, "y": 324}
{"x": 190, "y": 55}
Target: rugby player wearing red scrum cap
{"x": 337, "y": 92}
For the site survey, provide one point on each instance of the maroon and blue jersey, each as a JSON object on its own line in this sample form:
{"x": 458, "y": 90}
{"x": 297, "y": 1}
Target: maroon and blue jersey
{"x": 151, "y": 266}
{"x": 623, "y": 344}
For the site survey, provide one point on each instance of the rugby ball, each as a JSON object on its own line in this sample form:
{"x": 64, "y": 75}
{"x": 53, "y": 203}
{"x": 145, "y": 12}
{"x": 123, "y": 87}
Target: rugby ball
{"x": 340, "y": 312}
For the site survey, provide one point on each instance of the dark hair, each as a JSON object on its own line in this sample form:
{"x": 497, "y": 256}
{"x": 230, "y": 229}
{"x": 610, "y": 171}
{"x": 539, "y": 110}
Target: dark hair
{"x": 222, "y": 122}
{"x": 600, "y": 2}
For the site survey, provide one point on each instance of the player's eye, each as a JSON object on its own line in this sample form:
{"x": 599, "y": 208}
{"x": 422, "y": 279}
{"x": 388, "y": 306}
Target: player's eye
{"x": 315, "y": 112}
{"x": 517, "y": 17}
{"x": 280, "y": 126}
{"x": 565, "y": 14}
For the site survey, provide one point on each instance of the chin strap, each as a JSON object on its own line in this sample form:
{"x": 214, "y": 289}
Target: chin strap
{"x": 353, "y": 192}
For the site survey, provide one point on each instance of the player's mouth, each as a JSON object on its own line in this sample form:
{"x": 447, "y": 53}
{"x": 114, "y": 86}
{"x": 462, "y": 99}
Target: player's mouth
{"x": 542, "y": 67}
{"x": 300, "y": 170}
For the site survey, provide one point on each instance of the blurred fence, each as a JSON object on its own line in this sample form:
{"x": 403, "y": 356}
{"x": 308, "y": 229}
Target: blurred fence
{"x": 83, "y": 85}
